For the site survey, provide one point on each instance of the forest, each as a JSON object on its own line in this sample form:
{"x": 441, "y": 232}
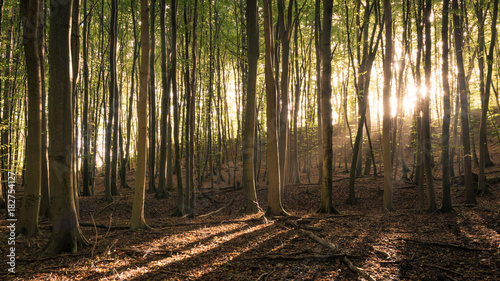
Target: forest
{"x": 249, "y": 140}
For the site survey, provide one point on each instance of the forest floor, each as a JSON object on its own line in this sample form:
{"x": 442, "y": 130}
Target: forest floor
{"x": 406, "y": 244}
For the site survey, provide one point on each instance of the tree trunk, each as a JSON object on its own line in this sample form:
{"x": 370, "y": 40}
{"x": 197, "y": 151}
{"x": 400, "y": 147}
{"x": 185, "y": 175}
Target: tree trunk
{"x": 326, "y": 204}
{"x": 28, "y": 218}
{"x": 317, "y": 42}
{"x": 191, "y": 118}
{"x": 177, "y": 164}
{"x": 446, "y": 205}
{"x": 470, "y": 197}
{"x": 112, "y": 93}
{"x": 152, "y": 104}
{"x": 116, "y": 101}
{"x": 138, "y": 222}
{"x": 86, "y": 136}
{"x": 165, "y": 108}
{"x": 274, "y": 203}
{"x": 483, "y": 145}
{"x": 45, "y": 187}
{"x": 386, "y": 145}
{"x": 426, "y": 127}
{"x": 66, "y": 234}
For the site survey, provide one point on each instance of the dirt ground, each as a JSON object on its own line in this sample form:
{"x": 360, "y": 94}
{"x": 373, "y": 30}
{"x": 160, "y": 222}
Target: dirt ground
{"x": 406, "y": 244}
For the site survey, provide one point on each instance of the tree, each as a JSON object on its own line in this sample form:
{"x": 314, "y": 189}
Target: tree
{"x": 66, "y": 235}
{"x": 386, "y": 145}
{"x": 28, "y": 220}
{"x": 112, "y": 97}
{"x": 191, "y": 189}
{"x": 152, "y": 104}
{"x": 470, "y": 197}
{"x": 446, "y": 205}
{"x": 426, "y": 127}
{"x": 485, "y": 98}
{"x": 138, "y": 222}
{"x": 274, "y": 204}
{"x": 251, "y": 204}
{"x": 165, "y": 107}
{"x": 177, "y": 150}
{"x": 326, "y": 204}
{"x": 86, "y": 135}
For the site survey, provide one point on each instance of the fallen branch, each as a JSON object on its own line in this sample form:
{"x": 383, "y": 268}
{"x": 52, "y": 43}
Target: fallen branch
{"x": 301, "y": 257}
{"x": 445, "y": 269}
{"x": 217, "y": 211}
{"x": 335, "y": 249}
{"x": 358, "y": 270}
{"x": 118, "y": 227}
{"x": 441, "y": 244}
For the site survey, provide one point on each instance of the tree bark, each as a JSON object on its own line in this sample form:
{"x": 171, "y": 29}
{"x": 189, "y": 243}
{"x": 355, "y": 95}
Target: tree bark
{"x": 386, "y": 145}
{"x": 177, "y": 164}
{"x": 426, "y": 127}
{"x": 66, "y": 235}
{"x": 165, "y": 108}
{"x": 274, "y": 203}
{"x": 483, "y": 145}
{"x": 138, "y": 222}
{"x": 446, "y": 205}
{"x": 28, "y": 218}
{"x": 152, "y": 104}
{"x": 470, "y": 197}
{"x": 326, "y": 203}
{"x": 251, "y": 204}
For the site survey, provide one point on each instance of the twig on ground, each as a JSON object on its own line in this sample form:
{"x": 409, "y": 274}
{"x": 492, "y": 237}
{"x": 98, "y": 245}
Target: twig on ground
{"x": 442, "y": 244}
{"x": 335, "y": 249}
{"x": 445, "y": 269}
{"x": 219, "y": 210}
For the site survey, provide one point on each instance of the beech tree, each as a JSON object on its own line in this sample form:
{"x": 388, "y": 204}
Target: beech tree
{"x": 274, "y": 203}
{"x": 458, "y": 21}
{"x": 326, "y": 204}
{"x": 66, "y": 235}
{"x": 387, "y": 201}
{"x": 485, "y": 92}
{"x": 137, "y": 221}
{"x": 28, "y": 221}
{"x": 446, "y": 205}
{"x": 251, "y": 204}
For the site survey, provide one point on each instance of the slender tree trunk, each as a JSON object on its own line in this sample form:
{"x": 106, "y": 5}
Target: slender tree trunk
{"x": 180, "y": 196}
{"x": 386, "y": 145}
{"x": 483, "y": 145}
{"x": 152, "y": 103}
{"x": 116, "y": 103}
{"x": 28, "y": 218}
{"x": 446, "y": 205}
{"x": 251, "y": 204}
{"x": 66, "y": 235}
{"x": 45, "y": 187}
{"x": 86, "y": 136}
{"x": 326, "y": 204}
{"x": 112, "y": 96}
{"x": 470, "y": 197}
{"x": 426, "y": 127}
{"x": 191, "y": 118}
{"x": 317, "y": 41}
{"x": 165, "y": 108}
{"x": 138, "y": 222}
{"x": 274, "y": 204}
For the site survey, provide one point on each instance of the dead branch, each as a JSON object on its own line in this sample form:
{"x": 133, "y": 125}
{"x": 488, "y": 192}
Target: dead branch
{"x": 335, "y": 249}
{"x": 445, "y": 269}
{"x": 441, "y": 244}
{"x": 357, "y": 269}
{"x": 219, "y": 210}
